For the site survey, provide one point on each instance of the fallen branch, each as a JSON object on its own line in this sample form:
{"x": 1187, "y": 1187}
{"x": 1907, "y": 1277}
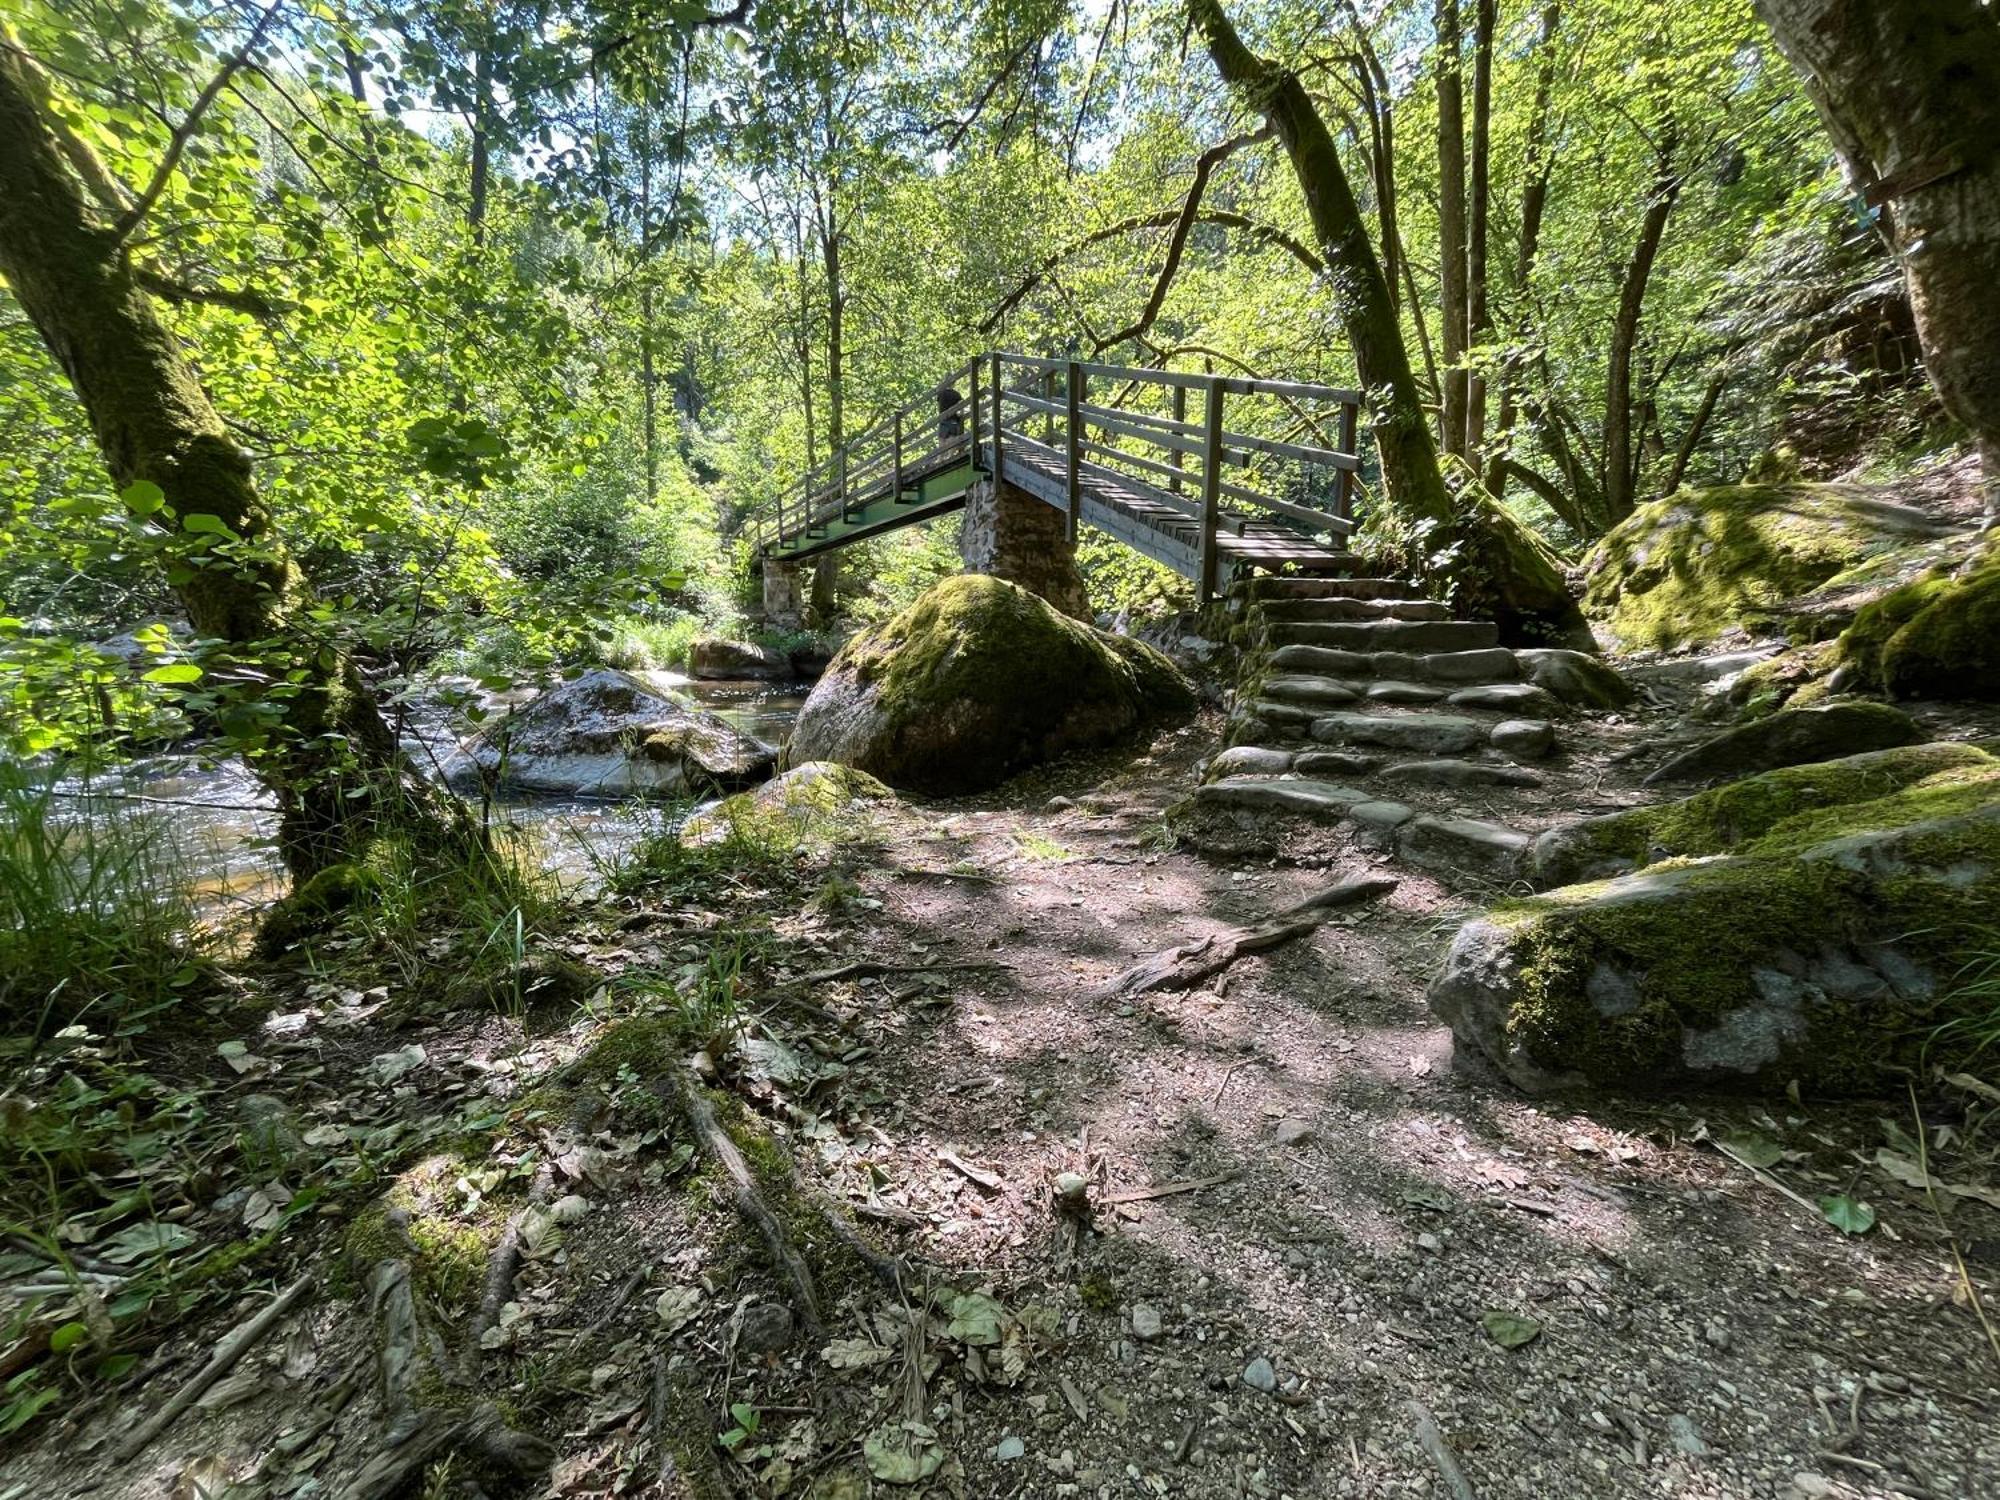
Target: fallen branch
{"x": 869, "y": 969}
{"x": 501, "y": 1269}
{"x": 1431, "y": 1440}
{"x": 1167, "y": 1189}
{"x": 1189, "y": 964}
{"x": 227, "y": 1353}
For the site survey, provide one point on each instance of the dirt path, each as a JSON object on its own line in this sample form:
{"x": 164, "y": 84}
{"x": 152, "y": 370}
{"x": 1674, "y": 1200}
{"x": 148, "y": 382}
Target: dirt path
{"x": 1302, "y": 1220}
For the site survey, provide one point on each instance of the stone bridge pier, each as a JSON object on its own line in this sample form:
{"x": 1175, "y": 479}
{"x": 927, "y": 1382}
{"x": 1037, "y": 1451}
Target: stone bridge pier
{"x": 1008, "y": 533}
{"x": 784, "y": 601}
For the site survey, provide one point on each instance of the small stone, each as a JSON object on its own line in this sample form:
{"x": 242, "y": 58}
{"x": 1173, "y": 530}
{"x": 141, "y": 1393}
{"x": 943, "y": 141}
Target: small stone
{"x": 1073, "y": 1188}
{"x": 1430, "y": 1244}
{"x": 1380, "y": 816}
{"x": 1293, "y": 1133}
{"x": 1259, "y": 1375}
{"x": 1008, "y": 1449}
{"x": 1146, "y": 1325}
{"x": 1685, "y": 1436}
{"x": 1058, "y": 804}
{"x": 1717, "y": 1333}
{"x": 1528, "y": 739}
{"x": 765, "y": 1328}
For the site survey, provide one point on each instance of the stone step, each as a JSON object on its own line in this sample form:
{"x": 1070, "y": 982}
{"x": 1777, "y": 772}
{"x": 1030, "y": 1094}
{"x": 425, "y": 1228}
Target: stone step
{"x": 1281, "y": 794}
{"x": 1487, "y": 664}
{"x": 1276, "y": 760}
{"x": 1517, "y": 698}
{"x": 1426, "y": 734}
{"x": 1290, "y": 611}
{"x": 1457, "y": 773}
{"x": 1387, "y": 635}
{"x": 1468, "y": 844}
{"x": 1261, "y": 589}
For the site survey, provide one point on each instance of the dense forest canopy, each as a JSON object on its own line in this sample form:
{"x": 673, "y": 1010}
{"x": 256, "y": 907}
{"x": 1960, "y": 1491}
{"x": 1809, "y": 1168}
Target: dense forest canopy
{"x": 520, "y": 310}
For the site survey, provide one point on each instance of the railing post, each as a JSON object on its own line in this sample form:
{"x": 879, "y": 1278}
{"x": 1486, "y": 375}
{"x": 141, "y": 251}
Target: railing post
{"x": 1174, "y": 455}
{"x": 972, "y": 426}
{"x": 1074, "y": 429}
{"x": 1211, "y": 491}
{"x": 1343, "y": 494}
{"x": 999, "y": 419}
{"x": 896, "y": 461}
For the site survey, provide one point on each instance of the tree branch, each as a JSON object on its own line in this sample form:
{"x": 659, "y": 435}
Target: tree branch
{"x": 184, "y": 132}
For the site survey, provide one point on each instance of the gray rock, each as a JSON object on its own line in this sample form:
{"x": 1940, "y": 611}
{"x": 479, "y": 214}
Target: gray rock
{"x": 1460, "y": 773}
{"x": 1320, "y": 660}
{"x": 1262, "y": 794}
{"x": 1488, "y": 664}
{"x": 1685, "y": 670}
{"x": 1380, "y": 817}
{"x": 1524, "y": 739}
{"x": 1259, "y": 1375}
{"x": 764, "y": 1328}
{"x": 1315, "y": 691}
{"x": 1468, "y": 844}
{"x": 1578, "y": 679}
{"x": 1685, "y": 1436}
{"x": 1273, "y": 712}
{"x": 1791, "y": 737}
{"x": 712, "y": 658}
{"x": 1008, "y": 1450}
{"x": 1292, "y": 1133}
{"x": 1146, "y": 1325}
{"x": 1250, "y": 760}
{"x": 606, "y": 733}
{"x": 1507, "y": 697}
{"x": 1427, "y": 734}
{"x": 1333, "y": 763}
{"x": 1391, "y": 691}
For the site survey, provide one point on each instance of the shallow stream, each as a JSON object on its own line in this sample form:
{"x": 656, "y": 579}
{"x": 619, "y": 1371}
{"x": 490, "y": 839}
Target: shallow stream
{"x": 221, "y": 823}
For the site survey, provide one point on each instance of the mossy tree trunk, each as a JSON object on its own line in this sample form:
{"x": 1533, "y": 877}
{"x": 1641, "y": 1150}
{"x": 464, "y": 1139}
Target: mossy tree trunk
{"x": 321, "y": 745}
{"x": 1495, "y": 561}
{"x": 1910, "y": 92}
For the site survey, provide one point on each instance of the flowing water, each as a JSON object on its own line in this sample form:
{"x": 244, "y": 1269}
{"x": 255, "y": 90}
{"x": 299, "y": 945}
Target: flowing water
{"x": 222, "y": 823}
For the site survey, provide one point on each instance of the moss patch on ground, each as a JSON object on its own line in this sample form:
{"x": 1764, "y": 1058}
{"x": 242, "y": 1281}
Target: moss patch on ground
{"x": 1687, "y": 568}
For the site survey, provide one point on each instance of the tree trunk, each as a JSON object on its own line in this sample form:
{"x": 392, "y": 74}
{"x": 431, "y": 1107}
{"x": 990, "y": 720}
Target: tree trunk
{"x": 1451, "y": 221}
{"x": 329, "y": 758}
{"x": 1477, "y": 210}
{"x": 1504, "y": 570}
{"x": 1621, "y": 466}
{"x": 649, "y": 381}
{"x": 1910, "y": 92}
{"x": 826, "y": 567}
{"x": 482, "y": 145}
{"x": 1534, "y": 201}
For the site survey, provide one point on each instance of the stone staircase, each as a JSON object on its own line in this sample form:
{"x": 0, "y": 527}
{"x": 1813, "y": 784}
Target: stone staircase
{"x": 1359, "y": 700}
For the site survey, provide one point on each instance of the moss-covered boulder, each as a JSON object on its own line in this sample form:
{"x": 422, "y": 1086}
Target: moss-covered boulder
{"x": 1821, "y": 948}
{"x": 975, "y": 681}
{"x": 812, "y": 803}
{"x": 1791, "y": 737}
{"x": 1937, "y": 637}
{"x": 1719, "y": 820}
{"x": 1699, "y": 563}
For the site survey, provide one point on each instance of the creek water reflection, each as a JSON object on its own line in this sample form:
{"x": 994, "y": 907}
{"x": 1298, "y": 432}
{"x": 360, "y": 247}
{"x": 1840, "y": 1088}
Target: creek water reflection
{"x": 221, "y": 823}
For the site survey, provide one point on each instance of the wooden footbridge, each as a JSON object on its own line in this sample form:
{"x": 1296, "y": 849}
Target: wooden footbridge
{"x": 1260, "y": 476}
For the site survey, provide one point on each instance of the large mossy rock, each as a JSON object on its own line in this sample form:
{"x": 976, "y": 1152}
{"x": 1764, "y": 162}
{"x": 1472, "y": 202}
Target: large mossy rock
{"x": 975, "y": 681}
{"x": 1688, "y": 568}
{"x": 1791, "y": 737}
{"x": 714, "y": 658}
{"x": 1822, "y": 947}
{"x": 1937, "y": 637}
{"x": 607, "y": 734}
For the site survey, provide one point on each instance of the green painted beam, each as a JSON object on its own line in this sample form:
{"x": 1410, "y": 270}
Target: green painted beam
{"x": 936, "y": 495}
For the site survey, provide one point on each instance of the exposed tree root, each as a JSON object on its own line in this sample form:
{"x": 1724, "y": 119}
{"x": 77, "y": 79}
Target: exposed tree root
{"x": 720, "y": 1148}
{"x": 427, "y": 1421}
{"x": 1189, "y": 964}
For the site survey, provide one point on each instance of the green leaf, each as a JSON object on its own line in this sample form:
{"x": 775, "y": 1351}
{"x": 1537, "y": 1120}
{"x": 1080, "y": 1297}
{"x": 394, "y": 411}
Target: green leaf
{"x": 1509, "y": 1330}
{"x": 68, "y": 1337}
{"x": 1847, "y": 1214}
{"x": 143, "y": 497}
{"x": 1757, "y": 1150}
{"x": 182, "y": 671}
{"x": 202, "y": 523}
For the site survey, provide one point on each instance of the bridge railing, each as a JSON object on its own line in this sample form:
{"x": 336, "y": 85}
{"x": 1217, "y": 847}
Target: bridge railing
{"x": 882, "y": 461}
{"x": 1221, "y": 450}
{"x": 1218, "y": 451}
